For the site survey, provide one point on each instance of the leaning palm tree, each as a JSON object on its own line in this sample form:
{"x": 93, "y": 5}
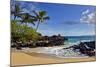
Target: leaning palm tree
{"x": 40, "y": 17}
{"x": 27, "y": 19}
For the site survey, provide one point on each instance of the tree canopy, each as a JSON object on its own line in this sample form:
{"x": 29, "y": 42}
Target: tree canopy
{"x": 20, "y": 20}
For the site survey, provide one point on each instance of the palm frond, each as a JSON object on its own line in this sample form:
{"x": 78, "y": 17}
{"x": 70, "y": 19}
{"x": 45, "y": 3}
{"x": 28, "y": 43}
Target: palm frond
{"x": 17, "y": 8}
{"x": 46, "y": 18}
{"x": 42, "y": 13}
{"x": 35, "y": 13}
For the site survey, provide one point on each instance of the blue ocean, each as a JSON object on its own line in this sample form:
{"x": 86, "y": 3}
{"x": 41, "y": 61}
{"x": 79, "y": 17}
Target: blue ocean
{"x": 74, "y": 40}
{"x": 68, "y": 53}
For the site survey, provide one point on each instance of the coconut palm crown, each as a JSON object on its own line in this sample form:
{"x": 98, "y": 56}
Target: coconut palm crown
{"x": 40, "y": 17}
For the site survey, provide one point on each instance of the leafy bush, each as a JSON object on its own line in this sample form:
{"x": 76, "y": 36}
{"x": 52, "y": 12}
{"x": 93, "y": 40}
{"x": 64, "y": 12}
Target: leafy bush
{"x": 23, "y": 32}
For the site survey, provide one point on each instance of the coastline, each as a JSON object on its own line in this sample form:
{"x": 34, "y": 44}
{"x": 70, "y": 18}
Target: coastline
{"x": 34, "y": 58}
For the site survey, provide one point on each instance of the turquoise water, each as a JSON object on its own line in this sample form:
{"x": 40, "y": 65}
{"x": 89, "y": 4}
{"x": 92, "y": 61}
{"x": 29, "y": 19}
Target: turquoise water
{"x": 74, "y": 40}
{"x": 67, "y": 53}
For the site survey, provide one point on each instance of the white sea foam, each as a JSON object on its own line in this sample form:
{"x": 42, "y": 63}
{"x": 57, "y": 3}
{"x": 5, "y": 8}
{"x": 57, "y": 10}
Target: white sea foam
{"x": 62, "y": 53}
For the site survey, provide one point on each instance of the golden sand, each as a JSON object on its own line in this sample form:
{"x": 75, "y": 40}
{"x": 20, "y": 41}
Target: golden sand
{"x": 22, "y": 58}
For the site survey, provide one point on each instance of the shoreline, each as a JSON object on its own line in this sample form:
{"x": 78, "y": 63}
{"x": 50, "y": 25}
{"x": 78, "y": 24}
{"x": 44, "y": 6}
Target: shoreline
{"x": 46, "y": 55}
{"x": 34, "y": 58}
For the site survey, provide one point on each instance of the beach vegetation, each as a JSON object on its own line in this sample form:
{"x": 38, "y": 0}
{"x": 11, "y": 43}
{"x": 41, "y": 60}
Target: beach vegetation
{"x": 21, "y": 31}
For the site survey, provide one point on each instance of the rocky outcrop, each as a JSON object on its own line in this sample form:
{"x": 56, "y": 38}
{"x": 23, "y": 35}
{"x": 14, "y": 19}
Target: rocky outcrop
{"x": 50, "y": 41}
{"x": 44, "y": 41}
{"x": 87, "y": 48}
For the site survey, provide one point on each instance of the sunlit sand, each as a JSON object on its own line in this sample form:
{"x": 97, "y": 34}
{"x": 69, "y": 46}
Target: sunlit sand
{"x": 33, "y": 58}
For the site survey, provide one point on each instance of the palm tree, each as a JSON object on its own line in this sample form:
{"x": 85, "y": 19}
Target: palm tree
{"x": 27, "y": 18}
{"x": 40, "y": 17}
{"x": 15, "y": 10}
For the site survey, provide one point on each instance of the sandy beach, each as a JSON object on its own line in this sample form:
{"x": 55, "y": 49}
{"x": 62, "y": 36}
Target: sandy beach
{"x": 33, "y": 58}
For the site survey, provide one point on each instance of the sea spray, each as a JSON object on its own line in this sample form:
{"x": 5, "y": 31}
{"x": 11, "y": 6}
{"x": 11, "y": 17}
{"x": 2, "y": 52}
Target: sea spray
{"x": 62, "y": 53}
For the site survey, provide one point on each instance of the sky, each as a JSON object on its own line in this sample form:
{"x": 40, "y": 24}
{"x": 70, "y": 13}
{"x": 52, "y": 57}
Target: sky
{"x": 65, "y": 19}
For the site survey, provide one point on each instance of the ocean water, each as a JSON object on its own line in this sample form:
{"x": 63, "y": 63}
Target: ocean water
{"x": 67, "y": 53}
{"x": 61, "y": 53}
{"x": 75, "y": 40}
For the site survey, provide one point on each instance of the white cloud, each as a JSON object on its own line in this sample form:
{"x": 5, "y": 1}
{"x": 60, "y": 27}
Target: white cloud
{"x": 88, "y": 17}
{"x": 85, "y": 12}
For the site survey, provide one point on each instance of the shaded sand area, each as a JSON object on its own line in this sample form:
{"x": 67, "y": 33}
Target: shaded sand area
{"x": 27, "y": 58}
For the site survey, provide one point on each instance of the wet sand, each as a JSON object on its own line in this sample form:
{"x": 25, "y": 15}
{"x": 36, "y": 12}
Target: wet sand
{"x": 27, "y": 58}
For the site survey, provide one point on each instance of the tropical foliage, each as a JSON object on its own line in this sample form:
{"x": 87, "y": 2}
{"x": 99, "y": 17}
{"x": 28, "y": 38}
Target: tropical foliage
{"x": 20, "y": 20}
{"x": 23, "y": 33}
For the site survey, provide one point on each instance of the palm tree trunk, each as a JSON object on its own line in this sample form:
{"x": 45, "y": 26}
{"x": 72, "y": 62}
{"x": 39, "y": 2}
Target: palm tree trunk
{"x": 37, "y": 25}
{"x": 14, "y": 17}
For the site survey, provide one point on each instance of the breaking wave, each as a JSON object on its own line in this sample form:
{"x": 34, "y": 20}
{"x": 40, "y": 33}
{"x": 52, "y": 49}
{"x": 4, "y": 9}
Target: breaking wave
{"x": 62, "y": 53}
